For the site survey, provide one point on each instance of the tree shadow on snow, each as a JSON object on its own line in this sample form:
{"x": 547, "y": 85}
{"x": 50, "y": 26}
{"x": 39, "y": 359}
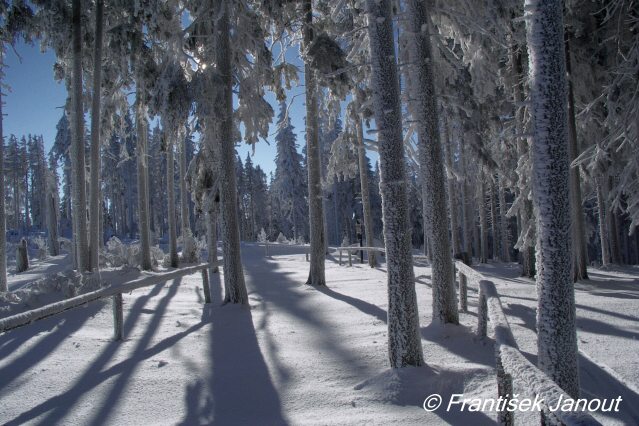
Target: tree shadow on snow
{"x": 58, "y": 406}
{"x": 57, "y": 329}
{"x": 239, "y": 389}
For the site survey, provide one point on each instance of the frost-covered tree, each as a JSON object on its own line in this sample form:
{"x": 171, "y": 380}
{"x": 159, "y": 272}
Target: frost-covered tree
{"x": 288, "y": 185}
{"x": 425, "y": 112}
{"x": 404, "y": 343}
{"x": 556, "y": 329}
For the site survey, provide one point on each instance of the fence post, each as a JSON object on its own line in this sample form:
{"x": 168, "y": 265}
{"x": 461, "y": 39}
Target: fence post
{"x": 504, "y": 389}
{"x": 117, "y": 316}
{"x": 463, "y": 292}
{"x": 205, "y": 286}
{"x": 482, "y": 314}
{"x": 306, "y": 252}
{"x": 350, "y": 262}
{"x": 266, "y": 249}
{"x": 340, "y": 257}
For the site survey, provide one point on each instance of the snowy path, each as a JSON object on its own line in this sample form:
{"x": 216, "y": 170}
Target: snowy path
{"x": 298, "y": 356}
{"x": 608, "y": 330}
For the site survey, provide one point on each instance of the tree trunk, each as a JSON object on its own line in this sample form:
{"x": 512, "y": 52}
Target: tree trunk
{"x": 366, "y": 199}
{"x": 431, "y": 164}
{"x": 188, "y": 242}
{"x": 316, "y": 274}
{"x": 170, "y": 191}
{"x": 494, "y": 228}
{"x": 556, "y": 330}
{"x": 95, "y": 205}
{"x": 526, "y": 213}
{"x": 483, "y": 220}
{"x": 52, "y": 215}
{"x": 211, "y": 231}
{"x": 22, "y": 257}
{"x": 3, "y": 219}
{"x": 452, "y": 201}
{"x": 141, "y": 157}
{"x": 603, "y": 223}
{"x": 235, "y": 288}
{"x": 404, "y": 342}
{"x": 77, "y": 149}
{"x": 580, "y": 252}
{"x": 505, "y": 243}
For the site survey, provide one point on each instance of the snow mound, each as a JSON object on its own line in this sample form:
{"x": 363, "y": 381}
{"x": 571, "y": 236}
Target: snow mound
{"x": 411, "y": 385}
{"x": 46, "y": 290}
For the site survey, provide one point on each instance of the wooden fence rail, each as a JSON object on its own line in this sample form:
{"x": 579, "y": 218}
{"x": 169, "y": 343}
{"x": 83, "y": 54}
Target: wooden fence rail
{"x": 510, "y": 363}
{"x": 115, "y": 292}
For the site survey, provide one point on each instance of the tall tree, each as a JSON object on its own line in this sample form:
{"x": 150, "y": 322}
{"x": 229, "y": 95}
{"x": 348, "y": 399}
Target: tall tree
{"x": 77, "y": 147}
{"x": 316, "y": 276}
{"x": 556, "y": 330}
{"x": 95, "y": 205}
{"x": 431, "y": 163}
{"x": 404, "y": 343}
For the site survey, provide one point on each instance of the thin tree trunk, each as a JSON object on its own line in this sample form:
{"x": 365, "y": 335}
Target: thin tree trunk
{"x": 452, "y": 201}
{"x": 466, "y": 215}
{"x": 170, "y": 193}
{"x": 494, "y": 228}
{"x": 404, "y": 342}
{"x": 483, "y": 220}
{"x": 95, "y": 207}
{"x": 525, "y": 214}
{"x": 505, "y": 243}
{"x": 432, "y": 164}
{"x": 556, "y": 330}
{"x": 77, "y": 148}
{"x": 316, "y": 274}
{"x": 235, "y": 287}
{"x": 3, "y": 219}
{"x": 141, "y": 157}
{"x": 211, "y": 230}
{"x": 603, "y": 223}
{"x": 580, "y": 252}
{"x": 366, "y": 199}
{"x": 52, "y": 213}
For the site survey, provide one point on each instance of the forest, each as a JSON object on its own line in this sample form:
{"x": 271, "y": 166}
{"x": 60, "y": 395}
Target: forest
{"x": 455, "y": 137}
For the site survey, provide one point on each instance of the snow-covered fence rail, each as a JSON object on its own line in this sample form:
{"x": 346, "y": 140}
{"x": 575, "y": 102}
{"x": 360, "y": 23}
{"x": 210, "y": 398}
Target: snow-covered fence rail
{"x": 510, "y": 362}
{"x": 354, "y": 249}
{"x": 115, "y": 292}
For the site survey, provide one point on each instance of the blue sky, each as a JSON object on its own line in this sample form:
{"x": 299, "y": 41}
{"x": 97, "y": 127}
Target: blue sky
{"x": 35, "y": 100}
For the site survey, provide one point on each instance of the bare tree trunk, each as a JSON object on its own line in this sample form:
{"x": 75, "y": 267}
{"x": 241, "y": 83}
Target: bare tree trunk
{"x": 483, "y": 222}
{"x": 188, "y": 242}
{"x": 52, "y": 213}
{"x": 211, "y": 230}
{"x": 366, "y": 199}
{"x": 234, "y": 285}
{"x": 404, "y": 342}
{"x": 603, "y": 223}
{"x": 494, "y": 228}
{"x": 95, "y": 205}
{"x": 77, "y": 148}
{"x": 316, "y": 274}
{"x": 452, "y": 201}
{"x": 556, "y": 329}
{"x": 3, "y": 219}
{"x": 432, "y": 164}
{"x": 170, "y": 191}
{"x": 141, "y": 157}
{"x": 580, "y": 252}
{"x": 505, "y": 243}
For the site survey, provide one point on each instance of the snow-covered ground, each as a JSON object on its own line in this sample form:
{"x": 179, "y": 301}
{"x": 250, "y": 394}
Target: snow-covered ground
{"x": 299, "y": 355}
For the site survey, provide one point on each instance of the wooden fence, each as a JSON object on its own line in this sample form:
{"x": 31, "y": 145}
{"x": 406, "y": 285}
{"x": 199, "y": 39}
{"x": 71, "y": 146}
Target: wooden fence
{"x": 510, "y": 363}
{"x": 115, "y": 292}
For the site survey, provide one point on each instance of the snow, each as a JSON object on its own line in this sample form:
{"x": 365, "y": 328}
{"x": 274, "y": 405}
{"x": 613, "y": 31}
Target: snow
{"x": 299, "y": 355}
{"x": 607, "y": 331}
